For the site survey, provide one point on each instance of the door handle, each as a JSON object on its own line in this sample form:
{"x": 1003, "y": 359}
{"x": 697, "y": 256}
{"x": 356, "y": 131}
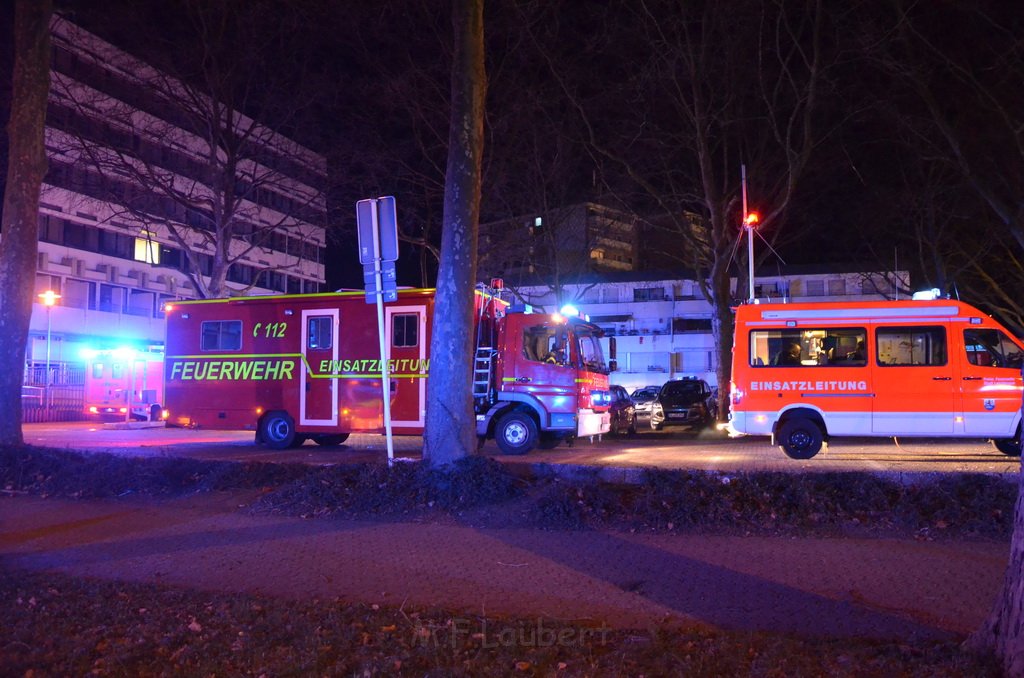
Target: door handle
{"x": 973, "y": 378}
{"x": 942, "y": 378}
{"x": 523, "y": 380}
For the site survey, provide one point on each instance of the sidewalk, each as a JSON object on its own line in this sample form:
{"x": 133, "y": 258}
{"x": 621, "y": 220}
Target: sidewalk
{"x": 812, "y": 587}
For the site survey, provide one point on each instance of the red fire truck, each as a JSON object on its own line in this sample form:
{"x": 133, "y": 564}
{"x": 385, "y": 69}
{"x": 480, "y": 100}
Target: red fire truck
{"x": 124, "y": 383}
{"x": 298, "y": 367}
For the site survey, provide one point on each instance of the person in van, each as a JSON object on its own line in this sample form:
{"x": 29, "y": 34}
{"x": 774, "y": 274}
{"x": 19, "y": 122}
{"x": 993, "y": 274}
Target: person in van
{"x": 790, "y": 355}
{"x": 858, "y": 354}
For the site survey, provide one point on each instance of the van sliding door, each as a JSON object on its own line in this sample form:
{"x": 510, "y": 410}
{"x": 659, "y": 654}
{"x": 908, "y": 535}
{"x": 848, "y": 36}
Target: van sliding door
{"x": 913, "y": 382}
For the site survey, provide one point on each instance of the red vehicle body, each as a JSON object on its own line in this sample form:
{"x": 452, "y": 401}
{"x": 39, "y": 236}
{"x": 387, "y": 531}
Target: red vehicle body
{"x": 122, "y": 384}
{"x": 294, "y": 367}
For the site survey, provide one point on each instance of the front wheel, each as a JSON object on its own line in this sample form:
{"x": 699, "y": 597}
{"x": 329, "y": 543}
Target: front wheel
{"x": 278, "y": 430}
{"x": 516, "y": 433}
{"x": 800, "y": 438}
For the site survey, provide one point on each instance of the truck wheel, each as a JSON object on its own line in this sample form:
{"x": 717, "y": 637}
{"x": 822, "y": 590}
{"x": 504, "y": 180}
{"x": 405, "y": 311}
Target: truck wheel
{"x": 1008, "y": 446}
{"x": 330, "y": 439}
{"x": 155, "y": 412}
{"x": 277, "y": 430}
{"x": 800, "y": 438}
{"x": 516, "y": 433}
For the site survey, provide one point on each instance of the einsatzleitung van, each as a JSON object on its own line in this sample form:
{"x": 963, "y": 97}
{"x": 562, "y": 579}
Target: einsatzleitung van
{"x": 806, "y": 372}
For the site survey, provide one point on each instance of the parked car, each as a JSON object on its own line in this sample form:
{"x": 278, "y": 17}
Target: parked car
{"x": 643, "y": 398}
{"x": 683, "y": 402}
{"x": 622, "y": 411}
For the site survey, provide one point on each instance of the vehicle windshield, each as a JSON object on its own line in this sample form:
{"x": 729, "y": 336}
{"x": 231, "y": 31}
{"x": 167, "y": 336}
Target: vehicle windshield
{"x": 591, "y": 355}
{"x": 643, "y": 395}
{"x": 675, "y": 389}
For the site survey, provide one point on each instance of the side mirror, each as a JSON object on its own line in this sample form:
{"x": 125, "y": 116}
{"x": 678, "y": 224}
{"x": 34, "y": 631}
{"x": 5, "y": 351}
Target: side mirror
{"x": 613, "y": 365}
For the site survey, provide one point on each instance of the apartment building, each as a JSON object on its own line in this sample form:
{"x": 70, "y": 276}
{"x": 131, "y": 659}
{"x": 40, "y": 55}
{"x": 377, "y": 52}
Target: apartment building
{"x": 662, "y": 324}
{"x": 105, "y": 233}
{"x": 563, "y": 242}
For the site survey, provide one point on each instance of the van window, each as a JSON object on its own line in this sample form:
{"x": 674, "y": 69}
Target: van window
{"x": 829, "y": 346}
{"x": 991, "y": 348}
{"x": 911, "y": 346}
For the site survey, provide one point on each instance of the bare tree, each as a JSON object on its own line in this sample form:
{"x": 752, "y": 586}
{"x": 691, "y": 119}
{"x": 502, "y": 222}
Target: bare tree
{"x": 966, "y": 96}
{"x": 712, "y": 86}
{"x": 450, "y": 432}
{"x": 196, "y": 150}
{"x": 25, "y": 169}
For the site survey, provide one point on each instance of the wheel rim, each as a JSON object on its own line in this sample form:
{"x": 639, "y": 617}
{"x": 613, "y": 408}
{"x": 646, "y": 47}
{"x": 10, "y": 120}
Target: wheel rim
{"x": 515, "y": 433}
{"x": 277, "y": 429}
{"x": 800, "y": 440}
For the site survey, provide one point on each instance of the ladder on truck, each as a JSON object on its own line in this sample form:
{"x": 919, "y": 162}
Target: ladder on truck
{"x": 482, "y": 373}
{"x": 483, "y": 358}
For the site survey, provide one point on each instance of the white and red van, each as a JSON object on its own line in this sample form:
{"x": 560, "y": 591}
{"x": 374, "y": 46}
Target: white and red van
{"x": 806, "y": 372}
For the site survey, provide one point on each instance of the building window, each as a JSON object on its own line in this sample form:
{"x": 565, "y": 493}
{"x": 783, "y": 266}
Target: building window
{"x": 405, "y": 330}
{"x": 221, "y": 335}
{"x": 837, "y": 287}
{"x": 648, "y": 294}
{"x": 146, "y": 249}
{"x": 79, "y": 294}
{"x": 815, "y": 288}
{"x": 112, "y": 298}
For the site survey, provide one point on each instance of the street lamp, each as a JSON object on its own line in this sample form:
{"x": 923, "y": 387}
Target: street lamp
{"x": 48, "y": 298}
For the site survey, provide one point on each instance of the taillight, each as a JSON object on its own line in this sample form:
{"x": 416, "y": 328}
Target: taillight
{"x": 735, "y": 394}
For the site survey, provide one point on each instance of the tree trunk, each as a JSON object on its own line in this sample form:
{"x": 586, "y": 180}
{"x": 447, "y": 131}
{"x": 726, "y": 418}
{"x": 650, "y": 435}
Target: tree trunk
{"x": 451, "y": 425}
{"x": 1003, "y": 631}
{"x": 25, "y": 170}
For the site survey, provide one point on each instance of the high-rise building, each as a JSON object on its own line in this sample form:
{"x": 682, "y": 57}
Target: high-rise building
{"x": 129, "y": 213}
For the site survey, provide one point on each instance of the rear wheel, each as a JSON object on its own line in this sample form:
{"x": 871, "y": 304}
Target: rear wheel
{"x": 516, "y": 433}
{"x": 800, "y": 438}
{"x": 329, "y": 439}
{"x": 1008, "y": 446}
{"x": 277, "y": 430}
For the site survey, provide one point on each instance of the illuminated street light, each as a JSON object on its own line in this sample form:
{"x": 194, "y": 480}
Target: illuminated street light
{"x": 48, "y": 299}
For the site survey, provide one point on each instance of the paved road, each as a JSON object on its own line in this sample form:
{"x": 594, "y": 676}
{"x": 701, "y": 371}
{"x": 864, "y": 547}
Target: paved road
{"x": 689, "y": 450}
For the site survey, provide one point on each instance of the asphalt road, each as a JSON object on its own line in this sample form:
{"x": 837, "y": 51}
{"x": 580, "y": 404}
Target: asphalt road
{"x": 705, "y": 450}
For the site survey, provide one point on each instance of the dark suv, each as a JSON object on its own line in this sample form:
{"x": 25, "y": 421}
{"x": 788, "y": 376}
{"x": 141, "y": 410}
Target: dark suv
{"x": 683, "y": 402}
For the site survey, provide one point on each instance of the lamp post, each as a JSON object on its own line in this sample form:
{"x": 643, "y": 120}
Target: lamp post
{"x": 48, "y": 298}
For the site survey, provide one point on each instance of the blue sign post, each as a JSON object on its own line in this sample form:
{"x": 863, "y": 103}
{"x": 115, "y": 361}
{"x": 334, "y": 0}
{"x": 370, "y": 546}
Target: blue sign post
{"x": 377, "y": 229}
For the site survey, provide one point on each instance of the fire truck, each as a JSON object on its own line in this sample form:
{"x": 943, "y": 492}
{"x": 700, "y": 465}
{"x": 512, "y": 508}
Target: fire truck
{"x": 124, "y": 384}
{"x": 805, "y": 372}
{"x": 298, "y": 367}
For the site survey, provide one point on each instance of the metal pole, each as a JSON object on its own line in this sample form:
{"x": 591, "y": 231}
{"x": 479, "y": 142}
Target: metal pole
{"x": 385, "y": 386}
{"x": 750, "y": 235}
{"x": 47, "y": 382}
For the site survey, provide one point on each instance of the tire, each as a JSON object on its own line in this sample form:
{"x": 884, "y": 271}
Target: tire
{"x": 277, "y": 430}
{"x": 800, "y": 438}
{"x": 1008, "y": 446}
{"x": 330, "y": 439}
{"x": 155, "y": 412}
{"x": 631, "y": 429}
{"x": 516, "y": 433}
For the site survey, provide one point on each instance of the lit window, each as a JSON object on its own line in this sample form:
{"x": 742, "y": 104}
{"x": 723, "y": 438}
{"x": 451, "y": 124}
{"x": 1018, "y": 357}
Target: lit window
{"x": 147, "y": 249}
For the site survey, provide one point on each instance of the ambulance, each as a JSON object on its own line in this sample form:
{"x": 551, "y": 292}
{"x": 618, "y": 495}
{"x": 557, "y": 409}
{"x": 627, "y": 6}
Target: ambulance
{"x": 124, "y": 383}
{"x": 298, "y": 367}
{"x": 806, "y": 372}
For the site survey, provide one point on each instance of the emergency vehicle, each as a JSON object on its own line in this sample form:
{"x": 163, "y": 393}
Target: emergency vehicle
{"x": 805, "y": 372}
{"x": 124, "y": 383}
{"x": 296, "y": 367}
